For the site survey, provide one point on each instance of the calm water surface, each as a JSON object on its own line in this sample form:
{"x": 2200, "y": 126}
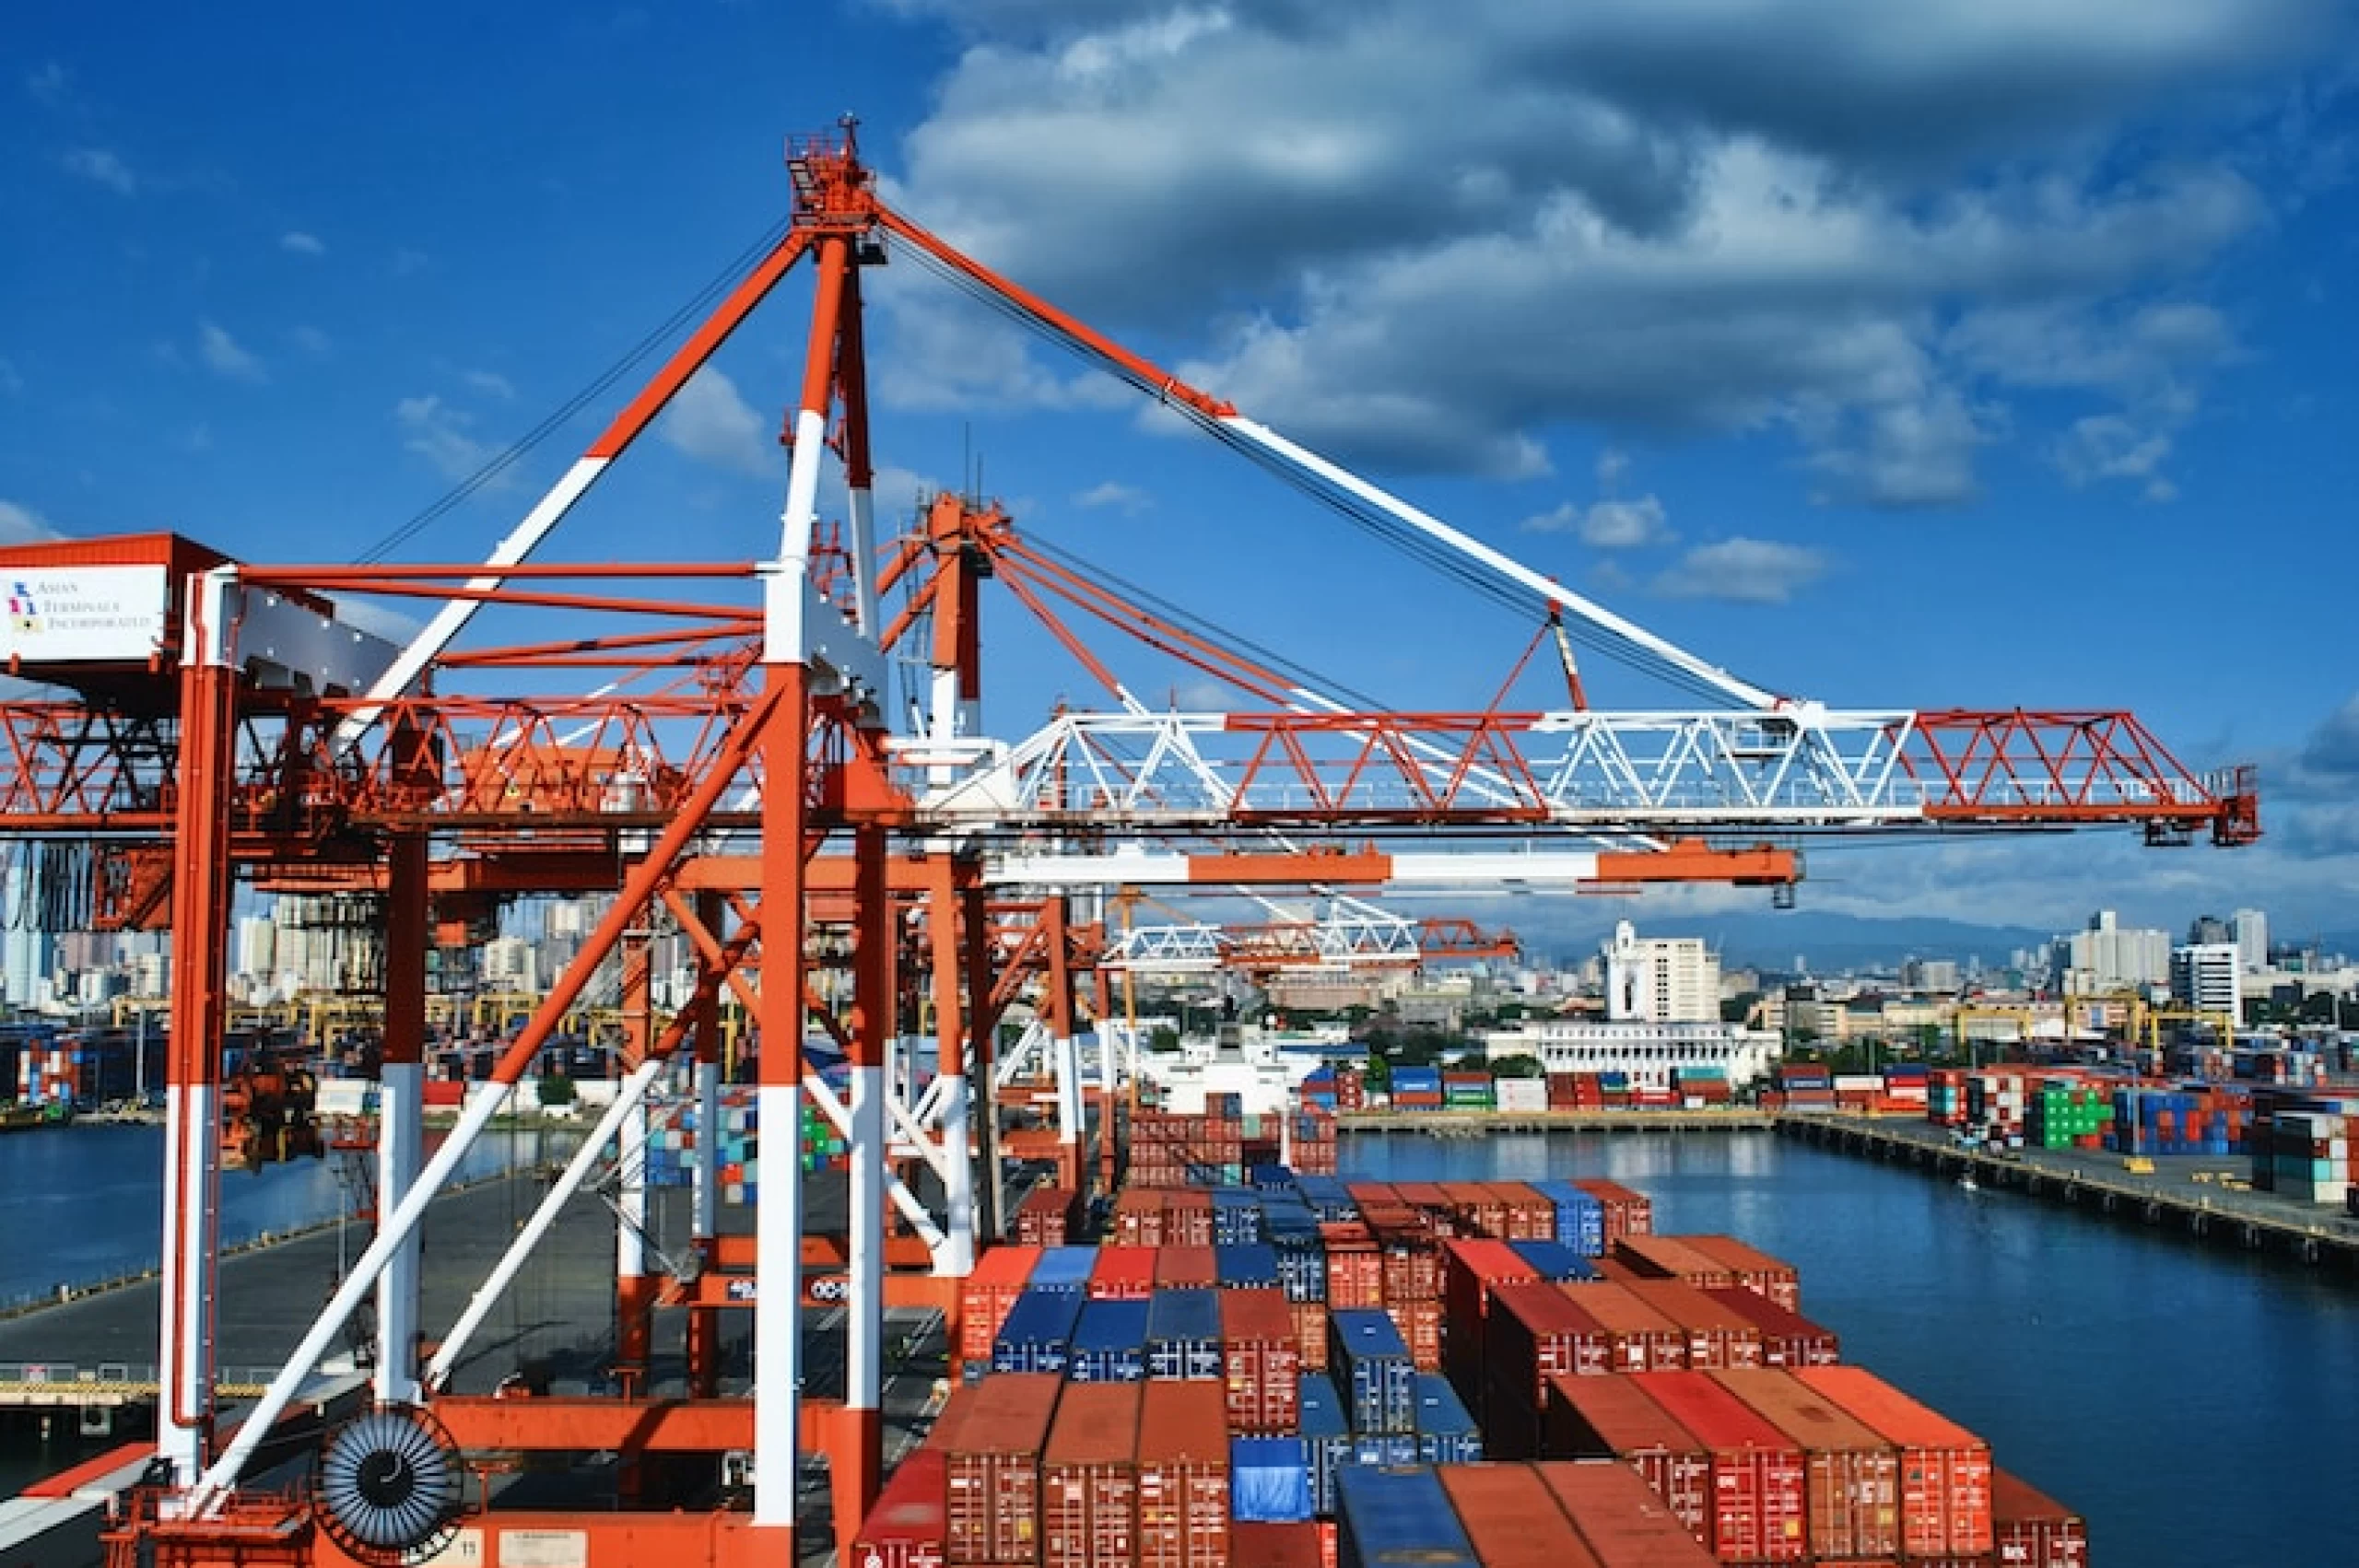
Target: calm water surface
{"x": 2196, "y": 1405}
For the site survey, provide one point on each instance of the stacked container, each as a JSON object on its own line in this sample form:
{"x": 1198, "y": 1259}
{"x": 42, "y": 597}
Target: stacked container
{"x": 1613, "y": 1418}
{"x": 1260, "y": 1364}
{"x": 1944, "y": 1469}
{"x": 1089, "y": 1479}
{"x": 993, "y": 1476}
{"x": 1372, "y": 1371}
{"x": 1183, "y": 1476}
{"x": 1757, "y": 1495}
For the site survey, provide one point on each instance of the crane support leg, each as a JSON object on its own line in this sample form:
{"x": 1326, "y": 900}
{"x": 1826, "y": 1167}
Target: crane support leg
{"x": 401, "y": 1109}
{"x": 857, "y": 1459}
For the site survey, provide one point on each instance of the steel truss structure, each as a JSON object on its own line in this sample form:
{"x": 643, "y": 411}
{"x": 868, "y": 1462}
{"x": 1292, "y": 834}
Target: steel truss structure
{"x": 736, "y": 780}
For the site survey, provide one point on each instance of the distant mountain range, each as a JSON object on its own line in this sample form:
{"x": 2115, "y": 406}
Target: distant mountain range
{"x": 1828, "y": 942}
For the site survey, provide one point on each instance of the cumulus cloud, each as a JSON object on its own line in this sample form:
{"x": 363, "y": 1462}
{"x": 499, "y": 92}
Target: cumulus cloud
{"x": 441, "y": 435}
{"x": 2333, "y": 748}
{"x": 1745, "y": 571}
{"x": 491, "y": 383}
{"x": 1422, "y": 248}
{"x": 22, "y": 525}
{"x": 1114, "y": 495}
{"x": 709, "y": 422}
{"x": 1609, "y": 525}
{"x": 224, "y": 356}
{"x": 101, "y": 167}
{"x": 297, "y": 242}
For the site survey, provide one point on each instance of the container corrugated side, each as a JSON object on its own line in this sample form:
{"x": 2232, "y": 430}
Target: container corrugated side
{"x": 1642, "y": 1338}
{"x": 1717, "y": 1336}
{"x": 1850, "y": 1475}
{"x": 2031, "y": 1529}
{"x": 1063, "y": 1268}
{"x": 1757, "y": 1498}
{"x": 1511, "y": 1519}
{"x": 1183, "y": 1336}
{"x": 910, "y": 1525}
{"x": 1623, "y": 1523}
{"x": 1185, "y": 1268}
{"x": 1755, "y": 1269}
{"x": 1472, "y": 1270}
{"x": 1944, "y": 1468}
{"x": 1109, "y": 1342}
{"x": 1273, "y": 1546}
{"x": 1089, "y": 1479}
{"x": 1184, "y": 1476}
{"x": 1398, "y": 1516}
{"x": 1613, "y": 1418}
{"x": 1788, "y": 1339}
{"x": 1445, "y": 1432}
{"x": 999, "y": 1275}
{"x": 994, "y": 1469}
{"x": 1669, "y": 1257}
{"x": 1038, "y": 1333}
{"x": 1371, "y": 1367}
{"x": 1326, "y": 1437}
{"x": 1534, "y": 1332}
{"x": 1251, "y": 1266}
{"x": 1261, "y": 1365}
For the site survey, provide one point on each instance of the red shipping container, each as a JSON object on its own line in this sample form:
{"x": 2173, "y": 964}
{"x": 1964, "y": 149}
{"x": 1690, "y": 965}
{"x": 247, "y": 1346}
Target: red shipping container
{"x": 1273, "y": 1546}
{"x": 1089, "y": 1479}
{"x": 1623, "y": 1523}
{"x": 2033, "y": 1530}
{"x": 986, "y": 1296}
{"x": 1944, "y": 1469}
{"x": 1535, "y": 1332}
{"x": 1354, "y": 1268}
{"x": 1138, "y": 1218}
{"x": 1186, "y": 1269}
{"x": 1412, "y": 1263}
{"x": 1184, "y": 1476}
{"x": 1612, "y": 1418}
{"x": 1260, "y": 1364}
{"x": 1420, "y": 1325}
{"x": 1187, "y": 1218}
{"x": 909, "y": 1526}
{"x": 1850, "y": 1475}
{"x": 1479, "y": 1208}
{"x": 1529, "y": 1217}
{"x": 1717, "y": 1336}
{"x": 1511, "y": 1518}
{"x": 1639, "y": 1338}
{"x": 1615, "y": 1271}
{"x": 1310, "y": 1333}
{"x": 1472, "y": 1270}
{"x": 1330, "y": 1546}
{"x": 994, "y": 1468}
{"x": 1667, "y": 1257}
{"x": 1755, "y": 1270}
{"x": 1787, "y": 1339}
{"x": 1628, "y": 1214}
{"x": 1431, "y": 1201}
{"x": 1757, "y": 1498}
{"x": 1045, "y": 1217}
{"x": 1368, "y": 1194}
{"x": 1122, "y": 1273}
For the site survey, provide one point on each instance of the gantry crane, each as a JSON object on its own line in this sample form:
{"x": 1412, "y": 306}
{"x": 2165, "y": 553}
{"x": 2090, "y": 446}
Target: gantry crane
{"x": 738, "y": 775}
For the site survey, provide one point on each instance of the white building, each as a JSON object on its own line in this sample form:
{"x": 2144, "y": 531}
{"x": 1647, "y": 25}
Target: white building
{"x": 2207, "y": 976}
{"x": 2252, "y": 929}
{"x": 511, "y": 963}
{"x": 1660, "y": 982}
{"x": 1647, "y": 1052}
{"x": 2109, "y": 956}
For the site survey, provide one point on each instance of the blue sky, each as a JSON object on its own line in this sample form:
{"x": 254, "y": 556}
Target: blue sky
{"x": 1972, "y": 352}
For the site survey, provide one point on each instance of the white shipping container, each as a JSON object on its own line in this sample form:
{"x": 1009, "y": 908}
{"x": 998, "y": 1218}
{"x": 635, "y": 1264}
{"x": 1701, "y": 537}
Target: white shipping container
{"x": 1859, "y": 1083}
{"x": 1522, "y": 1093}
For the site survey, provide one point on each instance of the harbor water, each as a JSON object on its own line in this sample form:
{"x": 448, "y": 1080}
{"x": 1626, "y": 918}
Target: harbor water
{"x": 2177, "y": 1394}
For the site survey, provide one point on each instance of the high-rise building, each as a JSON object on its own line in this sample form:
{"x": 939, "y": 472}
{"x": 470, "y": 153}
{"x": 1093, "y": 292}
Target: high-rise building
{"x": 28, "y": 953}
{"x": 2251, "y": 927}
{"x": 2208, "y": 930}
{"x": 2109, "y": 956}
{"x": 1660, "y": 982}
{"x": 2206, "y": 975}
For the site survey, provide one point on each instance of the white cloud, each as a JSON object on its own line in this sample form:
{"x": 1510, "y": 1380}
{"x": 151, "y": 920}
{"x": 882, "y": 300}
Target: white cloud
{"x": 491, "y": 383}
{"x": 1128, "y": 498}
{"x": 224, "y": 355}
{"x": 104, "y": 167}
{"x": 311, "y": 340}
{"x": 709, "y": 422}
{"x": 439, "y": 433}
{"x": 1609, "y": 525}
{"x": 301, "y": 244}
{"x": 22, "y": 525}
{"x": 1612, "y": 464}
{"x": 1747, "y": 571}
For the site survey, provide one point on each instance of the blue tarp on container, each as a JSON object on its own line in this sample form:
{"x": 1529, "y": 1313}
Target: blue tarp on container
{"x": 1183, "y": 1335}
{"x": 1326, "y": 1437}
{"x": 1269, "y": 1480}
{"x": 1372, "y": 1370}
{"x": 1036, "y": 1333}
{"x": 1397, "y": 1514}
{"x": 1251, "y": 1267}
{"x": 1446, "y": 1434}
{"x": 1580, "y": 1217}
{"x": 1063, "y": 1268}
{"x": 1553, "y": 1261}
{"x": 1109, "y": 1344}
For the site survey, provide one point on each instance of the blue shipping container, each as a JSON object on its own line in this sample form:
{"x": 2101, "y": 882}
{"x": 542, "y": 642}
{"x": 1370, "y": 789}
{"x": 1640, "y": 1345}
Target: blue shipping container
{"x": 1253, "y": 1266}
{"x": 1394, "y": 1515}
{"x": 1373, "y": 1371}
{"x": 1037, "y": 1334}
{"x": 1109, "y": 1344}
{"x": 1236, "y": 1218}
{"x": 1326, "y": 1438}
{"x": 1183, "y": 1336}
{"x": 1446, "y": 1434}
{"x": 1269, "y": 1480}
{"x": 1580, "y": 1217}
{"x": 1553, "y": 1261}
{"x": 1063, "y": 1268}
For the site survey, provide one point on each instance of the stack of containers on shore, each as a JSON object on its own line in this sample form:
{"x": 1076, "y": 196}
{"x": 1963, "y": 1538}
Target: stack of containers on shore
{"x": 1806, "y": 1086}
{"x": 1516, "y": 1096}
{"x": 1416, "y": 1089}
{"x": 1699, "y": 1086}
{"x": 1859, "y": 1091}
{"x": 2177, "y": 1121}
{"x": 1049, "y": 1216}
{"x": 1998, "y": 1102}
{"x": 673, "y": 1133}
{"x": 1575, "y": 1092}
{"x": 1946, "y": 1097}
{"x": 51, "y": 1075}
{"x": 2067, "y": 1114}
{"x": 2309, "y": 1152}
{"x": 1466, "y": 1090}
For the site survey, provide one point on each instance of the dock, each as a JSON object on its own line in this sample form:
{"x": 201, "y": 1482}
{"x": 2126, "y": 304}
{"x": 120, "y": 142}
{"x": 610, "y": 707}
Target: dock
{"x": 2182, "y": 1194}
{"x": 1485, "y": 1124}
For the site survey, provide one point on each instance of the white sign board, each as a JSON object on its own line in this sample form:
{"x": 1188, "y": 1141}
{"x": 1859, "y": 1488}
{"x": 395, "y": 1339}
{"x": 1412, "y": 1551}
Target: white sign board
{"x": 544, "y": 1548}
{"x": 70, "y": 614}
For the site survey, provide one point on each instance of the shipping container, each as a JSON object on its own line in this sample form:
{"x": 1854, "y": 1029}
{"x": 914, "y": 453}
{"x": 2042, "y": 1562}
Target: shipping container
{"x": 1371, "y": 1367}
{"x": 1326, "y": 1437}
{"x": 1628, "y": 1214}
{"x": 1261, "y": 1363}
{"x": 993, "y": 1481}
{"x": 1046, "y": 1217}
{"x": 1553, "y": 1260}
{"x": 1613, "y": 1418}
{"x": 999, "y": 1275}
{"x": 1622, "y": 1521}
{"x": 1511, "y": 1518}
{"x": 1269, "y": 1480}
{"x": 1639, "y": 1338}
{"x": 1944, "y": 1469}
{"x": 1398, "y": 1516}
{"x": 1757, "y": 1496}
{"x": 1273, "y": 1546}
{"x": 1446, "y": 1434}
{"x": 1850, "y": 1475}
{"x": 1420, "y": 1325}
{"x": 1185, "y": 1268}
{"x": 1472, "y": 1270}
{"x": 1788, "y": 1339}
{"x": 2033, "y": 1530}
{"x": 1089, "y": 1479}
{"x": 1753, "y": 1270}
{"x": 910, "y": 1525}
{"x": 1581, "y": 1216}
{"x": 1109, "y": 1342}
{"x": 1038, "y": 1333}
{"x": 1535, "y": 1332}
{"x": 1063, "y": 1268}
{"x": 1253, "y": 1266}
{"x": 1122, "y": 1273}
{"x": 1184, "y": 1476}
{"x": 1669, "y": 1257}
{"x": 1355, "y": 1266}
{"x": 1717, "y": 1336}
{"x": 1183, "y": 1336}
